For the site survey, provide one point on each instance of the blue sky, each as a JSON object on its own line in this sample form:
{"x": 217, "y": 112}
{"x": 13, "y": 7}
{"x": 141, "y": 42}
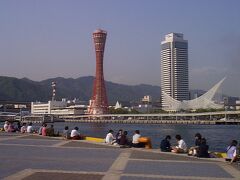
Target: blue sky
{"x": 40, "y": 39}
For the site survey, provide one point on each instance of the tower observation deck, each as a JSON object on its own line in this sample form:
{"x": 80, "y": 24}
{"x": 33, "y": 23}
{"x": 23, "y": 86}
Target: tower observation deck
{"x": 98, "y": 102}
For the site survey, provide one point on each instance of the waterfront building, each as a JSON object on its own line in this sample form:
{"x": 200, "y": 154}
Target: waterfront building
{"x": 203, "y": 102}
{"x": 56, "y": 108}
{"x": 174, "y": 68}
{"x": 98, "y": 102}
{"x": 238, "y": 105}
{"x": 118, "y": 105}
{"x": 147, "y": 99}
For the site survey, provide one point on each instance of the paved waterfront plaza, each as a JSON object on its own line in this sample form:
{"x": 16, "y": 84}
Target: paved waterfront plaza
{"x": 36, "y": 157}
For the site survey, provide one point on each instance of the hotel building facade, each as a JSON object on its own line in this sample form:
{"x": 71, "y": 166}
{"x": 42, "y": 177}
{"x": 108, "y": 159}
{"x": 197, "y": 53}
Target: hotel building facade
{"x": 174, "y": 68}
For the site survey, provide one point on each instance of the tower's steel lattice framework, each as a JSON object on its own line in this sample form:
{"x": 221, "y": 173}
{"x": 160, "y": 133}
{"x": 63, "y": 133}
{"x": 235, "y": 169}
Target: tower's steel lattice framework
{"x": 99, "y": 103}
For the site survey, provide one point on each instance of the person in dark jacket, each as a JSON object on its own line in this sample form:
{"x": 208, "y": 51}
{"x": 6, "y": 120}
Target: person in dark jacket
{"x": 124, "y": 141}
{"x": 165, "y": 145}
{"x": 202, "y": 150}
{"x": 118, "y": 136}
{"x": 198, "y": 139}
{"x": 193, "y": 150}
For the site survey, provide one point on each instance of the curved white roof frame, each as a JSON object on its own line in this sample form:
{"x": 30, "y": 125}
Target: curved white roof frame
{"x": 203, "y": 102}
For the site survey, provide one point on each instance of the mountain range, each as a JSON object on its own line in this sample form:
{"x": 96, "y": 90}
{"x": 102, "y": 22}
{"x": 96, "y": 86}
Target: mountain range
{"x": 14, "y": 89}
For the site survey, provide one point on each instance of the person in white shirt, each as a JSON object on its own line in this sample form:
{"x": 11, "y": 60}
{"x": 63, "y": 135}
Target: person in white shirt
{"x": 181, "y": 147}
{"x": 30, "y": 128}
{"x": 135, "y": 140}
{"x": 75, "y": 134}
{"x": 232, "y": 151}
{"x": 23, "y": 128}
{"x": 110, "y": 138}
{"x": 5, "y": 127}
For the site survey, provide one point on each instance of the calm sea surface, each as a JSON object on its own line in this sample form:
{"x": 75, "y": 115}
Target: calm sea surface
{"x": 218, "y": 136}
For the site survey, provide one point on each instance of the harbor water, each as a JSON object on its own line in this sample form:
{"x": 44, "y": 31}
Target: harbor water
{"x": 218, "y": 136}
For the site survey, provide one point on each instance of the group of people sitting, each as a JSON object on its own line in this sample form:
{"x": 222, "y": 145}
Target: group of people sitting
{"x": 122, "y": 139}
{"x": 74, "y": 134}
{"x": 11, "y": 127}
{"x": 201, "y": 149}
{"x": 44, "y": 130}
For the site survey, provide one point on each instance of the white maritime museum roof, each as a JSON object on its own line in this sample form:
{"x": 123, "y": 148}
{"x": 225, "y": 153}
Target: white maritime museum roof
{"x": 203, "y": 102}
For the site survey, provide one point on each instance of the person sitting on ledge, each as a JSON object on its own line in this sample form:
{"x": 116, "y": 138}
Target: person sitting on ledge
{"x": 109, "y": 137}
{"x": 50, "y": 131}
{"x": 75, "y": 135}
{"x": 202, "y": 150}
{"x": 124, "y": 141}
{"x": 11, "y": 128}
{"x": 44, "y": 129}
{"x": 5, "y": 127}
{"x": 135, "y": 140}
{"x": 40, "y": 129}
{"x": 118, "y": 136}
{"x": 165, "y": 145}
{"x": 181, "y": 147}
{"x": 232, "y": 152}
{"x": 193, "y": 150}
{"x": 23, "y": 128}
{"x": 30, "y": 128}
{"x": 66, "y": 133}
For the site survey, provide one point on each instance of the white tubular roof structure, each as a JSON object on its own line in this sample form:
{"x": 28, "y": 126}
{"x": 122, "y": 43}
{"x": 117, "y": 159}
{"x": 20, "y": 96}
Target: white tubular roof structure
{"x": 203, "y": 102}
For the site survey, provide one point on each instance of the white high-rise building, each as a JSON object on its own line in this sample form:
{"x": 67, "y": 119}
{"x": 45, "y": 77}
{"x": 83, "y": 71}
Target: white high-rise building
{"x": 174, "y": 68}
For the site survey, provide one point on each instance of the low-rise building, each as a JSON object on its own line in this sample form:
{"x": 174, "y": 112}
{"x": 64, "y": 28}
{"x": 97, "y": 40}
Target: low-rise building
{"x": 238, "y": 105}
{"x": 57, "y": 108}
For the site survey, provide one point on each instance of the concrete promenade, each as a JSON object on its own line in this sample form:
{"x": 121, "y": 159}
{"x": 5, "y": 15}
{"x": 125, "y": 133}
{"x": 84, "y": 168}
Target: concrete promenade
{"x": 31, "y": 157}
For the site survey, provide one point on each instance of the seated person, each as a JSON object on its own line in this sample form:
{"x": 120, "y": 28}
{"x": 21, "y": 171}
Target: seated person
{"x": 109, "y": 137}
{"x": 11, "y": 128}
{"x": 202, "y": 150}
{"x": 124, "y": 141}
{"x": 66, "y": 133}
{"x": 75, "y": 135}
{"x": 193, "y": 150}
{"x": 135, "y": 140}
{"x": 232, "y": 151}
{"x": 44, "y": 129}
{"x": 23, "y": 128}
{"x": 30, "y": 128}
{"x": 5, "y": 127}
{"x": 50, "y": 131}
{"x": 40, "y": 129}
{"x": 118, "y": 135}
{"x": 181, "y": 147}
{"x": 165, "y": 145}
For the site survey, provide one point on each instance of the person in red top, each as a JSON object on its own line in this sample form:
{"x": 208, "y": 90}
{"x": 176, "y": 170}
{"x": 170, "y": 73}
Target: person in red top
{"x": 44, "y": 130}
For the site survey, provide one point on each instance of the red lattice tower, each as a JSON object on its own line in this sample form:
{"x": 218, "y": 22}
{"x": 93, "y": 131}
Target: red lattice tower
{"x": 99, "y": 103}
